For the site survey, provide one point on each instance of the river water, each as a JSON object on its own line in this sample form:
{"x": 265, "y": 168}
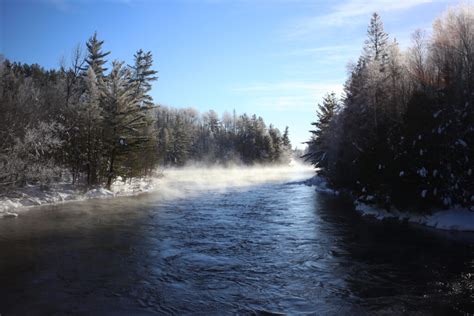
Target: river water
{"x": 261, "y": 247}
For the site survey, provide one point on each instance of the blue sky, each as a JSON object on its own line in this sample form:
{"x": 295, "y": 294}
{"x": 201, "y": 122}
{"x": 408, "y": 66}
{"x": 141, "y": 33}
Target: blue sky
{"x": 275, "y": 58}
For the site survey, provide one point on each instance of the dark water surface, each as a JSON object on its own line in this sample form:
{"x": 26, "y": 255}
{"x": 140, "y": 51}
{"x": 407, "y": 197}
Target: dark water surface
{"x": 280, "y": 248}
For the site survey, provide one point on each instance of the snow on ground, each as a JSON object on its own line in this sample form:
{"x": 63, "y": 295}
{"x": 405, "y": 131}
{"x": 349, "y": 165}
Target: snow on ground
{"x": 33, "y": 195}
{"x": 456, "y": 218}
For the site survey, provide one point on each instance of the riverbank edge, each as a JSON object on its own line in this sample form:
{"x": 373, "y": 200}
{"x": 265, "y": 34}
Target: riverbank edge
{"x": 452, "y": 219}
{"x": 19, "y": 200}
{"x": 22, "y": 199}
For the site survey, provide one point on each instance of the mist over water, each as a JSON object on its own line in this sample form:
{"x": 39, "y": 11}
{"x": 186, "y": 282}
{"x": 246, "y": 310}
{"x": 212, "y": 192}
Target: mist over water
{"x": 194, "y": 179}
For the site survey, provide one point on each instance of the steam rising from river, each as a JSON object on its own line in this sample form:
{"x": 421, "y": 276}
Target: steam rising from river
{"x": 174, "y": 183}
{"x": 190, "y": 180}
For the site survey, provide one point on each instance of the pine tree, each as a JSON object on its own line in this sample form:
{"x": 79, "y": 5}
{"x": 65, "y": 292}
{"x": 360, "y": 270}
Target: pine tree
{"x": 286, "y": 139}
{"x": 142, "y": 76}
{"x": 286, "y": 151}
{"x": 318, "y": 145}
{"x": 125, "y": 119}
{"x": 376, "y": 42}
{"x": 375, "y": 60}
{"x": 277, "y": 144}
{"x": 180, "y": 145}
{"x": 95, "y": 58}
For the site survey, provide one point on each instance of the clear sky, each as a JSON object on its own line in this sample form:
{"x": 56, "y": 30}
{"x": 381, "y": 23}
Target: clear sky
{"x": 275, "y": 58}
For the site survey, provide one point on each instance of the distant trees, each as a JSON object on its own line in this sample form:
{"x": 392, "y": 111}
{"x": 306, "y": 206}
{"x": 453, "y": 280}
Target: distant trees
{"x": 184, "y": 136}
{"x": 404, "y": 130}
{"x": 94, "y": 124}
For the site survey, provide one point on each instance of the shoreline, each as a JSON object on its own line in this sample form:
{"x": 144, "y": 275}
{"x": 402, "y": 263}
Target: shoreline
{"x": 32, "y": 196}
{"x": 455, "y": 218}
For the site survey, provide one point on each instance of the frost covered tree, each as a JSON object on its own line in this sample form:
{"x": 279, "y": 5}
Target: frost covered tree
{"x": 88, "y": 128}
{"x": 377, "y": 41}
{"x": 125, "y": 119}
{"x": 95, "y": 58}
{"x": 142, "y": 75}
{"x": 185, "y": 135}
{"x": 31, "y": 159}
{"x": 404, "y": 131}
{"x": 181, "y": 144}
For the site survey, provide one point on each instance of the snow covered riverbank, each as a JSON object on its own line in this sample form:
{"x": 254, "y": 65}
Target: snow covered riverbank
{"x": 456, "y": 218}
{"x": 32, "y": 195}
{"x": 175, "y": 183}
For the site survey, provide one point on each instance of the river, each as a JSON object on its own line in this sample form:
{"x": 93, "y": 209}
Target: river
{"x": 265, "y": 247}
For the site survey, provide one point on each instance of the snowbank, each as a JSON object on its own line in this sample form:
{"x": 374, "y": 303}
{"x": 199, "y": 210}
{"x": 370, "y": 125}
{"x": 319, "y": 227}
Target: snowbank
{"x": 98, "y": 193}
{"x": 320, "y": 185}
{"x": 458, "y": 218}
{"x": 33, "y": 195}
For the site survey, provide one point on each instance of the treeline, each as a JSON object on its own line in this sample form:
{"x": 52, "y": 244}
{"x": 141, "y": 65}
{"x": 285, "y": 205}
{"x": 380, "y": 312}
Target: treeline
{"x": 184, "y": 134}
{"x": 403, "y": 132}
{"x": 92, "y": 124}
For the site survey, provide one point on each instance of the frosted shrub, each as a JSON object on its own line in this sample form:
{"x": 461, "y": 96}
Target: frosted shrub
{"x": 30, "y": 160}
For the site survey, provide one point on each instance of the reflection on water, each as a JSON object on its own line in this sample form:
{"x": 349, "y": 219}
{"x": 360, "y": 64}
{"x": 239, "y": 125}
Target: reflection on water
{"x": 276, "y": 247}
